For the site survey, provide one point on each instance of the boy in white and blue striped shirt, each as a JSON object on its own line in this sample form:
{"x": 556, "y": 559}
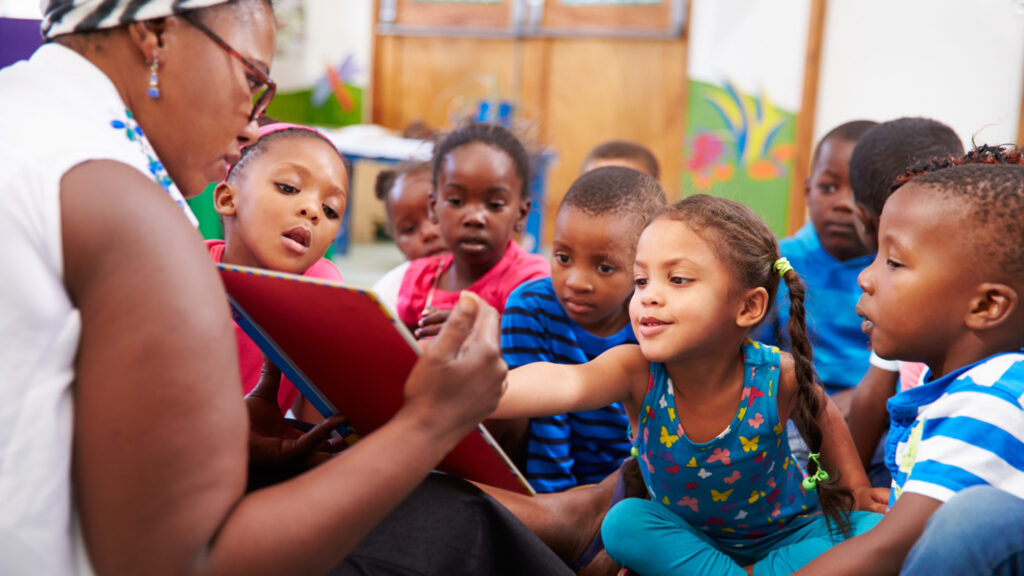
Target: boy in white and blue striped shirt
{"x": 946, "y": 290}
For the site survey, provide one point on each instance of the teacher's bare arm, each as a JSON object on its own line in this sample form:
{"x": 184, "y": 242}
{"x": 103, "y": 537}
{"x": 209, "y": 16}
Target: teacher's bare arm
{"x": 160, "y": 428}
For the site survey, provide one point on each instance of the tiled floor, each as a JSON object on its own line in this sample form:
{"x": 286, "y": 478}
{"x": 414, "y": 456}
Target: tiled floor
{"x": 364, "y": 264}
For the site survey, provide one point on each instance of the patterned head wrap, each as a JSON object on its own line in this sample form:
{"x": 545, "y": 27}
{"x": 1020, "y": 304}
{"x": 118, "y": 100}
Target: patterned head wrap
{"x": 69, "y": 16}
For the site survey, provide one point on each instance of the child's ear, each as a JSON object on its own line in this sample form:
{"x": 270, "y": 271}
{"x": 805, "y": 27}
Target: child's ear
{"x": 524, "y": 212}
{"x": 431, "y": 208}
{"x": 224, "y": 199}
{"x": 991, "y": 306}
{"x": 752, "y": 308}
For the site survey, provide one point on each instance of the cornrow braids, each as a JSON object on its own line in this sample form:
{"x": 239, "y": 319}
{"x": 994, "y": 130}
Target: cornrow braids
{"x": 256, "y": 149}
{"x": 749, "y": 249}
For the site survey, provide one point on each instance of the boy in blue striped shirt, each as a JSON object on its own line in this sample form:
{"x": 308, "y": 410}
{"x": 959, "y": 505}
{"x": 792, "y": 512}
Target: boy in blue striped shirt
{"x": 577, "y": 314}
{"x": 946, "y": 290}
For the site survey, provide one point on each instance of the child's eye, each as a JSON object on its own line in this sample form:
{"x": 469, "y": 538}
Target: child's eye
{"x": 605, "y": 269}
{"x": 495, "y": 205}
{"x": 454, "y": 201}
{"x": 678, "y": 280}
{"x": 640, "y": 282}
{"x": 287, "y": 188}
{"x": 892, "y": 263}
{"x": 405, "y": 230}
{"x": 331, "y": 213}
{"x": 562, "y": 259}
{"x": 827, "y": 188}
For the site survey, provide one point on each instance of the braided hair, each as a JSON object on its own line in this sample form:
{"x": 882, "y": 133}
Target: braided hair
{"x": 745, "y": 244}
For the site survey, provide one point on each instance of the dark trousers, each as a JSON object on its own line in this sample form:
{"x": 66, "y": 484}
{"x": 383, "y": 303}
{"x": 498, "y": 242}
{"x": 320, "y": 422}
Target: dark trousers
{"x": 448, "y": 526}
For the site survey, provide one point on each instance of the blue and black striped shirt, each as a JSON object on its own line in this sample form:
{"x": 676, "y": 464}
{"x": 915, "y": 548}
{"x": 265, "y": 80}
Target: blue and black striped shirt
{"x": 569, "y": 449}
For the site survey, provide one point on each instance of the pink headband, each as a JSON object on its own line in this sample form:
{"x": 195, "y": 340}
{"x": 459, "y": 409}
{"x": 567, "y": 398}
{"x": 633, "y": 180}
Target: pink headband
{"x": 279, "y": 126}
{"x": 276, "y": 127}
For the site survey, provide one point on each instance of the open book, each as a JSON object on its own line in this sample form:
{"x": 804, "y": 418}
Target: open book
{"x": 347, "y": 354}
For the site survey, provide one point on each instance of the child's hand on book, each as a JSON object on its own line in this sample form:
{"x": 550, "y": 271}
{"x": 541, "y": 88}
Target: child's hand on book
{"x": 272, "y": 441}
{"x": 431, "y": 322}
{"x": 460, "y": 377}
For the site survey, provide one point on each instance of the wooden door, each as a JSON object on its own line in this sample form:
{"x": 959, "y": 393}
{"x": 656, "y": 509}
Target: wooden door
{"x": 579, "y": 73}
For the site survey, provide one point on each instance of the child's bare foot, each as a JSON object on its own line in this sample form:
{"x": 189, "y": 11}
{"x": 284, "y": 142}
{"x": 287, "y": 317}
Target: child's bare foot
{"x": 570, "y": 522}
{"x": 601, "y": 565}
{"x": 590, "y": 515}
{"x": 627, "y": 482}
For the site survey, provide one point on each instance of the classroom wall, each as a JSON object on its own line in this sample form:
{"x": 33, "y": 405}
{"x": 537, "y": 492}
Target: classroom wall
{"x": 961, "y": 63}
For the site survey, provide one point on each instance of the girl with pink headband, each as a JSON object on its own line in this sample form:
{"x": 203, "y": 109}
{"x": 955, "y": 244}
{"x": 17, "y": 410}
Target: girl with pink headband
{"x": 281, "y": 205}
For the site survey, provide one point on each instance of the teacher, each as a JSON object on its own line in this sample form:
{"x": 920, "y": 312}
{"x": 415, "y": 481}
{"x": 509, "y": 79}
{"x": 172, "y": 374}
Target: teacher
{"x": 123, "y": 439}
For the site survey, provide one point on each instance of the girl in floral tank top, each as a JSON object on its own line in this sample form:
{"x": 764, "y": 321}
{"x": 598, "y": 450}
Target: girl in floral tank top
{"x": 742, "y": 487}
{"x": 710, "y": 408}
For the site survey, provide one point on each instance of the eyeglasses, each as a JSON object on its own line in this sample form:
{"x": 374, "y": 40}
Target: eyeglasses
{"x": 260, "y": 85}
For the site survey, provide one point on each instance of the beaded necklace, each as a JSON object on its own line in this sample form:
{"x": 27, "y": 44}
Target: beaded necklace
{"x": 133, "y": 132}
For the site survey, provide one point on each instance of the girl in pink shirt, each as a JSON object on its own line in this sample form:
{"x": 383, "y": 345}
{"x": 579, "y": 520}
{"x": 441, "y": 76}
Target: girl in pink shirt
{"x": 480, "y": 200}
{"x": 281, "y": 205}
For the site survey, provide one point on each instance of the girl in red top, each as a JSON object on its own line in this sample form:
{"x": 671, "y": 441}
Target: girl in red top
{"x": 480, "y": 201}
{"x": 281, "y": 206}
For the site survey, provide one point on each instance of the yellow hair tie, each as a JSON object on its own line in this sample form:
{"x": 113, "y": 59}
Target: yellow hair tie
{"x": 782, "y": 266}
{"x": 811, "y": 482}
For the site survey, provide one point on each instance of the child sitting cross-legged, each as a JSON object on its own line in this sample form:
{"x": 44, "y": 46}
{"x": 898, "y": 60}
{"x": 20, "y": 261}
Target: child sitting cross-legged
{"x": 945, "y": 290}
{"x": 281, "y": 205}
{"x": 578, "y": 313}
{"x": 708, "y": 407}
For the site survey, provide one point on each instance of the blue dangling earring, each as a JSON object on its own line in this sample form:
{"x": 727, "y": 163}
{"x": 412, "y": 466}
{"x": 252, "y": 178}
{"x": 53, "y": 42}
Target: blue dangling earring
{"x": 154, "y": 88}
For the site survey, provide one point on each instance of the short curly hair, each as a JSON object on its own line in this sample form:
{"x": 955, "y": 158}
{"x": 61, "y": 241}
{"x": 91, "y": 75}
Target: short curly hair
{"x": 616, "y": 190}
{"x": 885, "y": 152}
{"x": 492, "y": 135}
{"x": 988, "y": 182}
{"x": 628, "y": 150}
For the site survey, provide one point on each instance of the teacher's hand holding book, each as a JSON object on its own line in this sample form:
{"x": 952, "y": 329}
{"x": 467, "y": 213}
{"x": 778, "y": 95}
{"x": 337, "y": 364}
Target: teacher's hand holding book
{"x": 459, "y": 379}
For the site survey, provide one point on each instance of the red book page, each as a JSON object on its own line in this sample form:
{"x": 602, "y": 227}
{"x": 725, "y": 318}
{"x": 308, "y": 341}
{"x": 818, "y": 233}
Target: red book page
{"x": 348, "y": 355}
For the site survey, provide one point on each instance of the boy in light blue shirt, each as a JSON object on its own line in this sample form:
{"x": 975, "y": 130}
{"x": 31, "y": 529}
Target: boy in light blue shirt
{"x": 828, "y": 255}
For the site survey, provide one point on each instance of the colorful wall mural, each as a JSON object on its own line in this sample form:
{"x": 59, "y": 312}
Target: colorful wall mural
{"x": 745, "y": 71}
{"x": 739, "y": 146}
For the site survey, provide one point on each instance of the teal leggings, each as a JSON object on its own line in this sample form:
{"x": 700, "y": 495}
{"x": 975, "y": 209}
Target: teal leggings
{"x": 650, "y": 539}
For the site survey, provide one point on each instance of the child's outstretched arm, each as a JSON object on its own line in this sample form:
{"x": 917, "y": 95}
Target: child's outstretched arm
{"x": 882, "y": 549}
{"x": 543, "y": 389}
